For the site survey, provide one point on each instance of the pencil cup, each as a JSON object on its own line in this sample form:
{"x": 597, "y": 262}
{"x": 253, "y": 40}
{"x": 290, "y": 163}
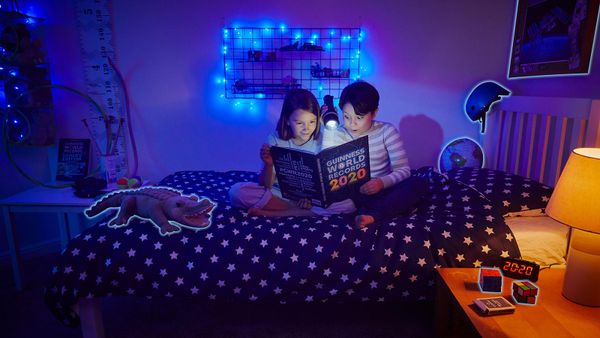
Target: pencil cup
{"x": 109, "y": 167}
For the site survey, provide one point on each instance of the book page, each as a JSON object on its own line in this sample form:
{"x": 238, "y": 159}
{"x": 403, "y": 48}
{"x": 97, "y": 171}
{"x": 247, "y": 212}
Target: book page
{"x": 298, "y": 175}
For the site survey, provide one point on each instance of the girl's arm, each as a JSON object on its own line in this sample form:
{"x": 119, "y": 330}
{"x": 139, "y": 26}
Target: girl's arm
{"x": 267, "y": 174}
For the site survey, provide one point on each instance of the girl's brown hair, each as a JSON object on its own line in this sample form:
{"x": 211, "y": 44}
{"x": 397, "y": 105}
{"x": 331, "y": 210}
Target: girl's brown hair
{"x": 297, "y": 99}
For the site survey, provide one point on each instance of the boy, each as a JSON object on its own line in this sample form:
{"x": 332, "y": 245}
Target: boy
{"x": 391, "y": 190}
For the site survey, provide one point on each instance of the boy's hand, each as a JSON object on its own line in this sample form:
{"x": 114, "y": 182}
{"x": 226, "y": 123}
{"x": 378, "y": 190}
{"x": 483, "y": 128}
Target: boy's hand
{"x": 265, "y": 154}
{"x": 324, "y": 109}
{"x": 372, "y": 187}
{"x": 304, "y": 204}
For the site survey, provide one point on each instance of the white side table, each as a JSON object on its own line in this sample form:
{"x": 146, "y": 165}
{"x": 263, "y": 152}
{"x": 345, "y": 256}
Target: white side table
{"x": 63, "y": 202}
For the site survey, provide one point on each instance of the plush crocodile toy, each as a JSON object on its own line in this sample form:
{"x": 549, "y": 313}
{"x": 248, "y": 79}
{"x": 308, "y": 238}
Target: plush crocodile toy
{"x": 168, "y": 209}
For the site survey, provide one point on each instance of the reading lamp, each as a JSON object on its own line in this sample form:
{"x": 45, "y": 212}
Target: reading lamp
{"x": 576, "y": 203}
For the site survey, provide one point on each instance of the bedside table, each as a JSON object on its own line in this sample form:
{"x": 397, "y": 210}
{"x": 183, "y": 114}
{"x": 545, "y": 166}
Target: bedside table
{"x": 553, "y": 316}
{"x": 63, "y": 202}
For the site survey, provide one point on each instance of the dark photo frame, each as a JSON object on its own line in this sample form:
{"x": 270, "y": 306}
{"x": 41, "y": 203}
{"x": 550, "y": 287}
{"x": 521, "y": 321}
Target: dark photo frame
{"x": 553, "y": 37}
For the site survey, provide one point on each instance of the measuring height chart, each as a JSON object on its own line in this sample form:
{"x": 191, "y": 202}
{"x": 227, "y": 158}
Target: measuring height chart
{"x": 97, "y": 46}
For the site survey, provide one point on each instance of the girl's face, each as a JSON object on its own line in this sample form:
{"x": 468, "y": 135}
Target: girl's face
{"x": 355, "y": 124}
{"x": 303, "y": 124}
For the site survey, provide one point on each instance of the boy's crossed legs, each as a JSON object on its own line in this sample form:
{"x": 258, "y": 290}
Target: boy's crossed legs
{"x": 397, "y": 200}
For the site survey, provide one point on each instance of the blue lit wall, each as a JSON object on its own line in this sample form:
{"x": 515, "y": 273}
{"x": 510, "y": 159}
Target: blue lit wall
{"x": 424, "y": 57}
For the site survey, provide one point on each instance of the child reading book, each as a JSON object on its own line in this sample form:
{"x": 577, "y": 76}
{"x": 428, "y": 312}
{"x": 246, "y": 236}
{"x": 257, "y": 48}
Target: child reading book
{"x": 298, "y": 128}
{"x": 391, "y": 190}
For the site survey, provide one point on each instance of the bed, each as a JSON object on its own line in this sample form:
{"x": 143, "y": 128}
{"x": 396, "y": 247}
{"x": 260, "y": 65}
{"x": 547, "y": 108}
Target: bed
{"x": 322, "y": 259}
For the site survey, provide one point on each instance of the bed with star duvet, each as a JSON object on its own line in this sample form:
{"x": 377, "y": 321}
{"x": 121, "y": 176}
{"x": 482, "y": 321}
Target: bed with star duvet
{"x": 283, "y": 260}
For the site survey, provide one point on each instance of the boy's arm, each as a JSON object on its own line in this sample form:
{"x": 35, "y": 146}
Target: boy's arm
{"x": 398, "y": 159}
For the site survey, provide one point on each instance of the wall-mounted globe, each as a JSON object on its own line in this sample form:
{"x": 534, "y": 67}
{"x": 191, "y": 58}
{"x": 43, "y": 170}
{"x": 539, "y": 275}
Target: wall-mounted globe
{"x": 461, "y": 153}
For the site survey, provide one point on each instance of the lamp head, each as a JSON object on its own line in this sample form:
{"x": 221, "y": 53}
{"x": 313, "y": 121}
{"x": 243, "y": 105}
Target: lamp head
{"x": 576, "y": 197}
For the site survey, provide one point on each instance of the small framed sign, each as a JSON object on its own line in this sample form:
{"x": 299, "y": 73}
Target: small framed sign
{"x": 73, "y": 159}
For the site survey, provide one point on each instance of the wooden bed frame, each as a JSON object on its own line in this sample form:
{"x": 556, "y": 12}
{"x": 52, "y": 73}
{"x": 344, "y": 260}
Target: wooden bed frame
{"x": 533, "y": 136}
{"x": 528, "y": 136}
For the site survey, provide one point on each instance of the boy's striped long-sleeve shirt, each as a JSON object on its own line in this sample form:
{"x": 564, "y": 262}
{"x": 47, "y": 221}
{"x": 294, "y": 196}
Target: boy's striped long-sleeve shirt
{"x": 387, "y": 156}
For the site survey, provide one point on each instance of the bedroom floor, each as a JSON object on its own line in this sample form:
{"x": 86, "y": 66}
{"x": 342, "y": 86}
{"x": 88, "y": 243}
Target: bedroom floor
{"x": 24, "y": 314}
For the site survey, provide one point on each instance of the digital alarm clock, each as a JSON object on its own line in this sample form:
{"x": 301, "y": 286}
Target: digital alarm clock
{"x": 520, "y": 269}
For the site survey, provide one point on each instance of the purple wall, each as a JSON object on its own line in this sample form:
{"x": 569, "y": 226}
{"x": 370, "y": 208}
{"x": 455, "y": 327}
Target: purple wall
{"x": 423, "y": 56}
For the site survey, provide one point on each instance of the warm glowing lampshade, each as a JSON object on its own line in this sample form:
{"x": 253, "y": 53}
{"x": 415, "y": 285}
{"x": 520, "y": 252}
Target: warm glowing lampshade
{"x": 576, "y": 202}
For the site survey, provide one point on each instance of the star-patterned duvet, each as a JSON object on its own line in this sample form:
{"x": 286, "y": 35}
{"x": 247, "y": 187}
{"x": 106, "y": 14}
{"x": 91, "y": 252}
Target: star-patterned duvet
{"x": 283, "y": 260}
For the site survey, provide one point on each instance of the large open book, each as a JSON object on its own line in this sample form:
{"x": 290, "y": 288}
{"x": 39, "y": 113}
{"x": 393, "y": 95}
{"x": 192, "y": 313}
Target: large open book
{"x": 330, "y": 176}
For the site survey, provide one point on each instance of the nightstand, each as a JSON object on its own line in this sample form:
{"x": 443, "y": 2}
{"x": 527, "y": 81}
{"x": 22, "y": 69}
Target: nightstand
{"x": 553, "y": 316}
{"x": 62, "y": 202}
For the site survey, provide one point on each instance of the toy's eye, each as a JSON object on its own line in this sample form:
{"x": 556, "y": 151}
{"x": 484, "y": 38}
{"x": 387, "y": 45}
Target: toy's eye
{"x": 179, "y": 204}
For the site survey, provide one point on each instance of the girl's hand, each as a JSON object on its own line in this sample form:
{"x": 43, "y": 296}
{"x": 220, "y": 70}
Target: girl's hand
{"x": 304, "y": 204}
{"x": 265, "y": 154}
{"x": 372, "y": 187}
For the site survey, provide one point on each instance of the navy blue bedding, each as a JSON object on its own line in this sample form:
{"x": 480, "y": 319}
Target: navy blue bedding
{"x": 283, "y": 260}
{"x": 506, "y": 192}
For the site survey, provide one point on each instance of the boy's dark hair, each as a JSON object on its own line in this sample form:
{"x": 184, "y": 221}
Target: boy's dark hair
{"x": 297, "y": 99}
{"x": 363, "y": 97}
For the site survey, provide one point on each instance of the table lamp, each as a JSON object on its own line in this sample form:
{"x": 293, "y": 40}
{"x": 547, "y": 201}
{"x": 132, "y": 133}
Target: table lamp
{"x": 576, "y": 203}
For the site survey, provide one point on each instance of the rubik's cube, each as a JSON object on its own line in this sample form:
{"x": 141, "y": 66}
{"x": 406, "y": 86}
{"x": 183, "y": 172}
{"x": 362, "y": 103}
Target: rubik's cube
{"x": 524, "y": 292}
{"x": 490, "y": 280}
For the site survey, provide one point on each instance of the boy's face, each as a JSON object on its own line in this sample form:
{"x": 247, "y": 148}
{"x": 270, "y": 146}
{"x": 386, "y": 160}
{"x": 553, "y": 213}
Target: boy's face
{"x": 355, "y": 124}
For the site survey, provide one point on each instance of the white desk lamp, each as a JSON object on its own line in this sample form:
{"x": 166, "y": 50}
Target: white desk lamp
{"x": 576, "y": 203}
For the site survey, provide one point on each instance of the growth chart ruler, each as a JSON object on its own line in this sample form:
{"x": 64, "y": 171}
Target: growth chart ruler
{"x": 97, "y": 46}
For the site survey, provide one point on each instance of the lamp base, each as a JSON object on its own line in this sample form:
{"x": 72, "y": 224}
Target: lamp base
{"x": 582, "y": 276}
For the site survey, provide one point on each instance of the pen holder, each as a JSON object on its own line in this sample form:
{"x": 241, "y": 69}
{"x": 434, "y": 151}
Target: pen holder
{"x": 108, "y": 166}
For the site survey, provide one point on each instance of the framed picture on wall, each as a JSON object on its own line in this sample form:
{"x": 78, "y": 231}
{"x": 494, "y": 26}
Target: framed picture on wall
{"x": 553, "y": 37}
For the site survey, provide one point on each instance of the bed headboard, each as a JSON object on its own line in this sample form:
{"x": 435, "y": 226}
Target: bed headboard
{"x": 533, "y": 136}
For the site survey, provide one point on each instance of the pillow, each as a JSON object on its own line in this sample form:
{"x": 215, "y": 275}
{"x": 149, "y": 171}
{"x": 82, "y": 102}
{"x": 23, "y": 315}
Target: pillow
{"x": 507, "y": 192}
{"x": 541, "y": 239}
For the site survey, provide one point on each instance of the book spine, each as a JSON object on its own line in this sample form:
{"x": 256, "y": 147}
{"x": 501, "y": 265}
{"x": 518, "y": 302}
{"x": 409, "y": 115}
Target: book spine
{"x": 322, "y": 184}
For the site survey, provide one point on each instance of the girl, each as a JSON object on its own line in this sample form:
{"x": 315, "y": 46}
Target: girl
{"x": 298, "y": 128}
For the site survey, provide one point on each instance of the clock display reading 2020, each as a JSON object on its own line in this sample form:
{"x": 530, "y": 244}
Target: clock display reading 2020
{"x": 520, "y": 269}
